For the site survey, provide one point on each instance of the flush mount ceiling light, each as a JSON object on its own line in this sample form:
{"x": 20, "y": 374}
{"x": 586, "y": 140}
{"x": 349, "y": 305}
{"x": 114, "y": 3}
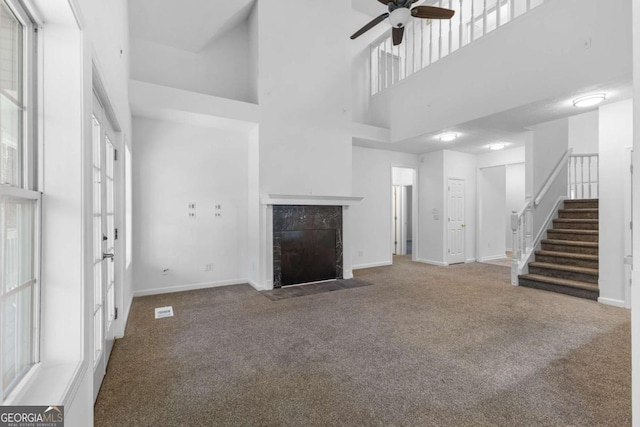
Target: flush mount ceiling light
{"x": 589, "y": 100}
{"x": 448, "y": 137}
{"x": 497, "y": 146}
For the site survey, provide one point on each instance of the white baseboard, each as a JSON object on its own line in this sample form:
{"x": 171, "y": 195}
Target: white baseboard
{"x": 192, "y": 287}
{"x": 613, "y": 302}
{"x": 371, "y": 265}
{"x": 470, "y": 260}
{"x": 492, "y": 258}
{"x": 259, "y": 287}
{"x": 347, "y": 274}
{"x": 428, "y": 261}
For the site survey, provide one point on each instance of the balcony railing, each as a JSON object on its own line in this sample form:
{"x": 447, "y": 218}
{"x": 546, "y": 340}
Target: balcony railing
{"x": 427, "y": 41}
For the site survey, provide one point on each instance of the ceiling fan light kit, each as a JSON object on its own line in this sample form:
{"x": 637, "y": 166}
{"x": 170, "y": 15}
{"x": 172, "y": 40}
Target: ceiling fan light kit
{"x": 400, "y": 17}
{"x": 399, "y": 14}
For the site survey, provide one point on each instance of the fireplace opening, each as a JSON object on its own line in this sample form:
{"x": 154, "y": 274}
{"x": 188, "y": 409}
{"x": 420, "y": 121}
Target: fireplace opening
{"x": 307, "y": 244}
{"x": 307, "y": 256}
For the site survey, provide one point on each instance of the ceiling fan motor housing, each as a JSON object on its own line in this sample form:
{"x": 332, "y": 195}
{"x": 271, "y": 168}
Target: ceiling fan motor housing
{"x": 399, "y": 17}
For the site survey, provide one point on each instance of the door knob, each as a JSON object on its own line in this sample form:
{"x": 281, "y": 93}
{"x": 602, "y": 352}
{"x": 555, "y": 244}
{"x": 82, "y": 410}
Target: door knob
{"x": 105, "y": 256}
{"x": 464, "y": 225}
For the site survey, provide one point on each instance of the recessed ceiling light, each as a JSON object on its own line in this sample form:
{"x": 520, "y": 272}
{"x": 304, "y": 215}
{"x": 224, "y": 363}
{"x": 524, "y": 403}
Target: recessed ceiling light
{"x": 497, "y": 146}
{"x": 448, "y": 137}
{"x": 589, "y": 100}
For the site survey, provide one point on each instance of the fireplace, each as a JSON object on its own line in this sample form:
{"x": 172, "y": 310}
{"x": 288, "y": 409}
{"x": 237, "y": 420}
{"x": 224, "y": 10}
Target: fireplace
{"x": 307, "y": 244}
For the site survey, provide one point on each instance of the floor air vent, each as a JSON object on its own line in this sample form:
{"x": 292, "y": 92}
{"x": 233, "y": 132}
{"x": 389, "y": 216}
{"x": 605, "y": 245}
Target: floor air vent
{"x": 164, "y": 312}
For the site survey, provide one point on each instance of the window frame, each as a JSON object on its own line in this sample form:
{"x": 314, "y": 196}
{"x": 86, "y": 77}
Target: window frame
{"x": 31, "y": 181}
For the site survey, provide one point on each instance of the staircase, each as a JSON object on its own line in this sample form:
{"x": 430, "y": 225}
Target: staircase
{"x": 568, "y": 261}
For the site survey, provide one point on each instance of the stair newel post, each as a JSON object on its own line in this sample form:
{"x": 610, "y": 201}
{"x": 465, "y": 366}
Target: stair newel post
{"x": 515, "y": 247}
{"x": 528, "y": 226}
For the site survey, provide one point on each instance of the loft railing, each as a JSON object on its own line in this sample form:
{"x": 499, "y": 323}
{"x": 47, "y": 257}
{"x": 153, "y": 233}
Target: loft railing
{"x": 583, "y": 176}
{"x": 427, "y": 41}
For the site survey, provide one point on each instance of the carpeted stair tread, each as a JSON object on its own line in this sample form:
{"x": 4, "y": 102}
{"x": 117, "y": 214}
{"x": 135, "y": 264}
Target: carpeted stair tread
{"x": 568, "y": 268}
{"x": 568, "y": 255}
{"x": 561, "y": 282}
{"x": 575, "y": 231}
{"x": 578, "y": 210}
{"x": 571, "y": 243}
{"x": 575, "y": 220}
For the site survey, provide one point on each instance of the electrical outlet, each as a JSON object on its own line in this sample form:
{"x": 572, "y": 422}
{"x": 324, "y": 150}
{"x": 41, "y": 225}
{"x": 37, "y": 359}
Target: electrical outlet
{"x": 360, "y": 253}
{"x": 208, "y": 267}
{"x": 217, "y": 214}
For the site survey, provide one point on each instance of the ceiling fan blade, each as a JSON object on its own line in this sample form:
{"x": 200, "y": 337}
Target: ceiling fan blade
{"x": 432, "y": 12}
{"x": 397, "y": 34}
{"x": 370, "y": 25}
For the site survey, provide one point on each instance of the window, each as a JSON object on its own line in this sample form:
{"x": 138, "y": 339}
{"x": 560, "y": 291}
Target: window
{"x": 19, "y": 198}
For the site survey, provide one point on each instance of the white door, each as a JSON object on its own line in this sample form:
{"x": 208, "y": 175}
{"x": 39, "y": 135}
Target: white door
{"x": 455, "y": 221}
{"x": 104, "y": 235}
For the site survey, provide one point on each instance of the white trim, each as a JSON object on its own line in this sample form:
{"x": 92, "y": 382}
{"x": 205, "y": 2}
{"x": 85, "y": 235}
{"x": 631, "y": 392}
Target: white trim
{"x": 428, "y": 261}
{"x": 50, "y": 384}
{"x": 299, "y": 199}
{"x": 492, "y": 258}
{"x": 347, "y": 274}
{"x": 19, "y": 193}
{"x": 612, "y": 302}
{"x": 190, "y": 287}
{"x": 77, "y": 13}
{"x": 372, "y": 265}
{"x": 470, "y": 260}
{"x": 258, "y": 287}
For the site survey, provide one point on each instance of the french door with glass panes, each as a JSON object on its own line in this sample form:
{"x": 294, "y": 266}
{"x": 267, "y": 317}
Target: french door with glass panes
{"x": 104, "y": 236}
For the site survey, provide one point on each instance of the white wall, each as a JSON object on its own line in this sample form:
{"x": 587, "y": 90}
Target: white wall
{"x": 225, "y": 68}
{"x": 501, "y": 157}
{"x": 515, "y": 197}
{"x": 402, "y": 176}
{"x": 432, "y": 219}
{"x": 546, "y": 46}
{"x": 635, "y": 295}
{"x": 175, "y": 165}
{"x": 492, "y": 204}
{"x": 371, "y": 219}
{"x": 583, "y": 133}
{"x": 545, "y": 148}
{"x": 616, "y": 133}
{"x": 304, "y": 96}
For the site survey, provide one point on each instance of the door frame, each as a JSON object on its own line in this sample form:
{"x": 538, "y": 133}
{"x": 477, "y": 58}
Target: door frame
{"x": 415, "y": 243}
{"x": 446, "y": 215}
{"x": 117, "y": 139}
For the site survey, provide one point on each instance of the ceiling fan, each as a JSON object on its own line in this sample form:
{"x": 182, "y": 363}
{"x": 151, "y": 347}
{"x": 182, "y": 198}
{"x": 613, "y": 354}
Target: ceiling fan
{"x": 399, "y": 13}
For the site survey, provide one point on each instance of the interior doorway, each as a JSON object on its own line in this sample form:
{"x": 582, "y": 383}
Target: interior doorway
{"x": 501, "y": 190}
{"x": 402, "y": 215}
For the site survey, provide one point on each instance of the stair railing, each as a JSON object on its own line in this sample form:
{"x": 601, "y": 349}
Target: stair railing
{"x": 522, "y": 223}
{"x": 522, "y": 228}
{"x": 583, "y": 179}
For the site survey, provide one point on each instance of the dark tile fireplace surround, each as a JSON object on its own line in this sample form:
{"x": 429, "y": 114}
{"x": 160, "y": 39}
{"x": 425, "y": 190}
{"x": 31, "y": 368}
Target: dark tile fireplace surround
{"x": 307, "y": 244}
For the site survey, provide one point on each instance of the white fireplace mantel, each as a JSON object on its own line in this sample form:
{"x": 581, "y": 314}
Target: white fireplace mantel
{"x": 299, "y": 199}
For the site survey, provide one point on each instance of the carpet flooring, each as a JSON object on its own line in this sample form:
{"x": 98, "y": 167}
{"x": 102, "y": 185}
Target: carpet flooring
{"x": 422, "y": 346}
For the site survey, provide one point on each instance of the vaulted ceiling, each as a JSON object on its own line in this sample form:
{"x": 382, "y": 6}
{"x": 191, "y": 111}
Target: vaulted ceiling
{"x": 186, "y": 24}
